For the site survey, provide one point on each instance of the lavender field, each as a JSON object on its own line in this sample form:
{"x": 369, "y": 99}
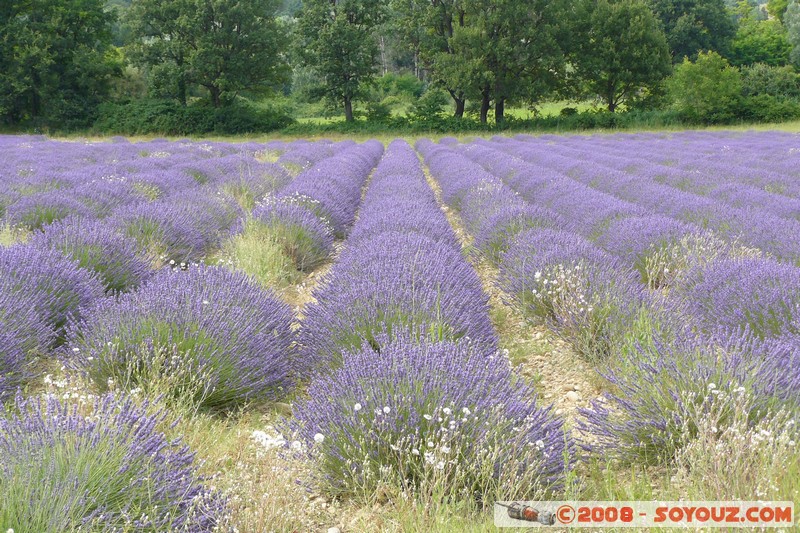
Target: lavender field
{"x": 297, "y": 336}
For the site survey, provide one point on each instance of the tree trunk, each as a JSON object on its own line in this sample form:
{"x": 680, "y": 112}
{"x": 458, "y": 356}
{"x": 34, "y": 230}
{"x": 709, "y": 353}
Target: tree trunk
{"x": 611, "y": 93}
{"x": 385, "y": 67}
{"x": 460, "y": 103}
{"x": 182, "y": 90}
{"x": 348, "y": 109}
{"x": 499, "y": 111}
{"x": 215, "y": 95}
{"x": 36, "y": 100}
{"x": 485, "y": 105}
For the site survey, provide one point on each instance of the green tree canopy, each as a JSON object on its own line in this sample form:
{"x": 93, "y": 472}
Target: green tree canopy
{"x": 622, "y": 52}
{"x": 760, "y": 41}
{"x": 427, "y": 27}
{"x": 708, "y": 89}
{"x": 792, "y": 21}
{"x": 509, "y": 50}
{"x": 226, "y": 46}
{"x": 777, "y": 8}
{"x": 336, "y": 39}
{"x": 56, "y": 63}
{"x": 693, "y": 26}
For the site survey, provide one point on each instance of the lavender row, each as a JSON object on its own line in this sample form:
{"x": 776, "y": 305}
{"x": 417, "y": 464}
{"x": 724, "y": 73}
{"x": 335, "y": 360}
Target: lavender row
{"x": 753, "y": 226}
{"x": 46, "y": 181}
{"x": 664, "y": 250}
{"x": 401, "y": 271}
{"x": 744, "y": 310}
{"x": 409, "y": 381}
{"x": 553, "y": 275}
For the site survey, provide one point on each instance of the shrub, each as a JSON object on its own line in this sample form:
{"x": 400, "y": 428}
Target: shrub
{"x": 500, "y": 229}
{"x": 394, "y": 282}
{"x": 167, "y": 117}
{"x": 761, "y": 79}
{"x": 206, "y": 336}
{"x": 38, "y": 210}
{"x": 660, "y": 389}
{"x": 304, "y": 237}
{"x": 562, "y": 280}
{"x": 648, "y": 244}
{"x": 23, "y": 335}
{"x": 708, "y": 90}
{"x": 101, "y": 466}
{"x": 736, "y": 458}
{"x": 768, "y": 108}
{"x": 430, "y": 105}
{"x": 46, "y": 281}
{"x": 760, "y": 294}
{"x": 97, "y": 247}
{"x": 180, "y": 228}
{"x": 433, "y": 414}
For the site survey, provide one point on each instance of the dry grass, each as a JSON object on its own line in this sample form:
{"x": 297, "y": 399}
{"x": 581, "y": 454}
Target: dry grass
{"x": 266, "y": 489}
{"x": 10, "y": 235}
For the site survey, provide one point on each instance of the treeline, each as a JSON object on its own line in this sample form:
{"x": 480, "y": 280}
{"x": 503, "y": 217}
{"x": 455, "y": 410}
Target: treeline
{"x": 197, "y": 66}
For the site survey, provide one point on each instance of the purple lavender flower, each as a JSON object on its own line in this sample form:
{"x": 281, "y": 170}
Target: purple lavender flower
{"x": 181, "y": 228}
{"x": 36, "y": 211}
{"x": 100, "y": 467}
{"x": 213, "y": 334}
{"x": 582, "y": 292}
{"x": 332, "y": 188}
{"x": 419, "y": 409}
{"x": 55, "y": 286}
{"x": 659, "y": 388}
{"x": 760, "y": 294}
{"x": 306, "y": 239}
{"x": 395, "y": 282}
{"x": 23, "y": 335}
{"x": 98, "y": 247}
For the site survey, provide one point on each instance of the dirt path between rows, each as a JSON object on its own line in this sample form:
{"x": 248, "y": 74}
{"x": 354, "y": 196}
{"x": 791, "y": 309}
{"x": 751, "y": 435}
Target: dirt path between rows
{"x": 559, "y": 375}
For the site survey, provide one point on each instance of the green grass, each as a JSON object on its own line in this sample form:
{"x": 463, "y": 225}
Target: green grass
{"x": 261, "y": 253}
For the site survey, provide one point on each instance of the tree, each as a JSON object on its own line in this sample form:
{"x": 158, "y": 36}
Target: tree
{"x": 510, "y": 50}
{"x": 777, "y": 8}
{"x": 226, "y": 46}
{"x": 427, "y": 27}
{"x": 792, "y": 21}
{"x": 623, "y": 51}
{"x": 336, "y": 39}
{"x": 708, "y": 89}
{"x": 762, "y": 41}
{"x": 693, "y": 26}
{"x": 54, "y": 60}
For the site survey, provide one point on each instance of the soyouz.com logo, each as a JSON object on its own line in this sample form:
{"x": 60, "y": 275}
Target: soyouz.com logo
{"x": 645, "y": 514}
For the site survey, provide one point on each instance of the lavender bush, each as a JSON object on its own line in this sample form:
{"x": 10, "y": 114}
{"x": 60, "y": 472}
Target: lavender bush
{"x": 180, "y": 229}
{"x": 36, "y": 211}
{"x": 55, "y": 286}
{"x": 305, "y": 239}
{"x": 440, "y": 413}
{"x": 98, "y": 466}
{"x": 207, "y": 336}
{"x": 659, "y": 389}
{"x": 760, "y": 294}
{"x": 565, "y": 281}
{"x": 395, "y": 281}
{"x": 23, "y": 335}
{"x": 97, "y": 247}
